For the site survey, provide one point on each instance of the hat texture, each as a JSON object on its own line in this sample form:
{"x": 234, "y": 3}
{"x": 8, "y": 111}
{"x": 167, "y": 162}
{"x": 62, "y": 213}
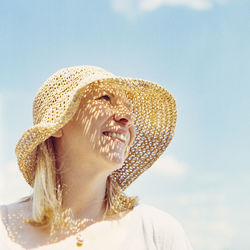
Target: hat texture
{"x": 58, "y": 99}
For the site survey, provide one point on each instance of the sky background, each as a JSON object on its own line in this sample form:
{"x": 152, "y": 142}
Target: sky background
{"x": 197, "y": 49}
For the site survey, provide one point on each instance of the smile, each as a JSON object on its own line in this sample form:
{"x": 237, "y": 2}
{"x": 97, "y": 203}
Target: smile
{"x": 118, "y": 136}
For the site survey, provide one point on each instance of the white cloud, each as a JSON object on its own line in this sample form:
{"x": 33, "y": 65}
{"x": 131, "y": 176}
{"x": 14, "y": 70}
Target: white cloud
{"x": 170, "y": 166}
{"x": 198, "y": 198}
{"x": 1, "y": 141}
{"x": 213, "y": 234}
{"x": 208, "y": 216}
{"x": 131, "y": 8}
{"x": 149, "y": 5}
{"x": 1, "y": 129}
{"x": 13, "y": 186}
{"x": 128, "y": 8}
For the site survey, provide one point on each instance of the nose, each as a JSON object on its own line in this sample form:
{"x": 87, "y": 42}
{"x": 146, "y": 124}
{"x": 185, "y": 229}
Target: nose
{"x": 124, "y": 117}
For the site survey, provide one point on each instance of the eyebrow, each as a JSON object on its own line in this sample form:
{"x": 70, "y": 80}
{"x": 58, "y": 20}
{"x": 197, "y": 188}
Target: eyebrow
{"x": 126, "y": 101}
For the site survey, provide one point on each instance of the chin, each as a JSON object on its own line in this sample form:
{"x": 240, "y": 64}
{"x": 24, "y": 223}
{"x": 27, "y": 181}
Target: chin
{"x": 115, "y": 160}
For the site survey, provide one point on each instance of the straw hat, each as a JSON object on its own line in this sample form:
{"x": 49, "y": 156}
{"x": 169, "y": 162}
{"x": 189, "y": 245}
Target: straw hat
{"x": 58, "y": 99}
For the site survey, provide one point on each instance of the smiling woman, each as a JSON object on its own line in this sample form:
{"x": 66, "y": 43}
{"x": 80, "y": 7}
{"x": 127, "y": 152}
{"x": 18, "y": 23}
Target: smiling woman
{"x": 94, "y": 133}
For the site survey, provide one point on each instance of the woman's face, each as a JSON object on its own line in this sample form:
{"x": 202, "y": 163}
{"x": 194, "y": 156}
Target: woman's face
{"x": 102, "y": 128}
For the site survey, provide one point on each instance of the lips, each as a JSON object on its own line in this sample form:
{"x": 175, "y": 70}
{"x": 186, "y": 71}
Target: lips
{"x": 115, "y": 135}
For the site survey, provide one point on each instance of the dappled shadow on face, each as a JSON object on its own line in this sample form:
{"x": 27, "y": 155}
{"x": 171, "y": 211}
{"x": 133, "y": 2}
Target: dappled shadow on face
{"x": 104, "y": 123}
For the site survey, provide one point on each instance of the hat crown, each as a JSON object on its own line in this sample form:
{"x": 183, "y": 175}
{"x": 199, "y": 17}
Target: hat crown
{"x": 61, "y": 85}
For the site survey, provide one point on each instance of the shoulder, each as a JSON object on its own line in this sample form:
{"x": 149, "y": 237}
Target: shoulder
{"x": 11, "y": 215}
{"x": 3, "y": 219}
{"x": 5, "y": 241}
{"x": 15, "y": 209}
{"x": 165, "y": 228}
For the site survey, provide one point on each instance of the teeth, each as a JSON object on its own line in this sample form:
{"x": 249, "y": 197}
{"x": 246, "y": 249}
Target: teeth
{"x": 116, "y": 135}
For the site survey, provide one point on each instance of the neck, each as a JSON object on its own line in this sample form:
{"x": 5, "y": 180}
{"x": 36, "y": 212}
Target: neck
{"x": 83, "y": 179}
{"x": 84, "y": 189}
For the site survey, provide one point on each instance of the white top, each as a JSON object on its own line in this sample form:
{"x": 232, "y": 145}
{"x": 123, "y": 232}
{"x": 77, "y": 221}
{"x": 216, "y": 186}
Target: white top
{"x": 143, "y": 228}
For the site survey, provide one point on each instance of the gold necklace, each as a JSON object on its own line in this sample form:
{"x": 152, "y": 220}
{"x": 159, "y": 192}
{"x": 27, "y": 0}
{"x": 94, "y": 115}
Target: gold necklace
{"x": 70, "y": 226}
{"x": 66, "y": 224}
{"x": 79, "y": 240}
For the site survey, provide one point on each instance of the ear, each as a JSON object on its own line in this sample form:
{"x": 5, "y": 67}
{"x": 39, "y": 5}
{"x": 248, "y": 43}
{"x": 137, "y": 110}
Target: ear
{"x": 58, "y": 133}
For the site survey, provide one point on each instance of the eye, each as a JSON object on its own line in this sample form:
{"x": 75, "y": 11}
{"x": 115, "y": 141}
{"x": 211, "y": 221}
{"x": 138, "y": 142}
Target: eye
{"x": 105, "y": 97}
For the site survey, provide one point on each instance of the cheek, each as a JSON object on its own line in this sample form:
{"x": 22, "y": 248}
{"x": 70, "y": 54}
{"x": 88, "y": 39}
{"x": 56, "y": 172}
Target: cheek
{"x": 97, "y": 111}
{"x": 89, "y": 119}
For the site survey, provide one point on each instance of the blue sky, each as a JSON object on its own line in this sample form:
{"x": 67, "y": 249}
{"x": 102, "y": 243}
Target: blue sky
{"x": 198, "y": 49}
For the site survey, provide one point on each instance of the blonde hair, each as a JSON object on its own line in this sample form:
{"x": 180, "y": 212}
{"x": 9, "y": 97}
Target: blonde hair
{"x": 47, "y": 190}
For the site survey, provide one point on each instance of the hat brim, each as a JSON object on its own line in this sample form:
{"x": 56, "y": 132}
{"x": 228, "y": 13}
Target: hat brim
{"x": 155, "y": 120}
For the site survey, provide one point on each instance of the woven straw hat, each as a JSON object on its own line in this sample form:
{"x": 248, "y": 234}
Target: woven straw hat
{"x": 58, "y": 99}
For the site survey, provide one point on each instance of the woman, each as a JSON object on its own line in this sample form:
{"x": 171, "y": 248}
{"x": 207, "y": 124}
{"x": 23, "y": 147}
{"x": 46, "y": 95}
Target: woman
{"x": 94, "y": 133}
